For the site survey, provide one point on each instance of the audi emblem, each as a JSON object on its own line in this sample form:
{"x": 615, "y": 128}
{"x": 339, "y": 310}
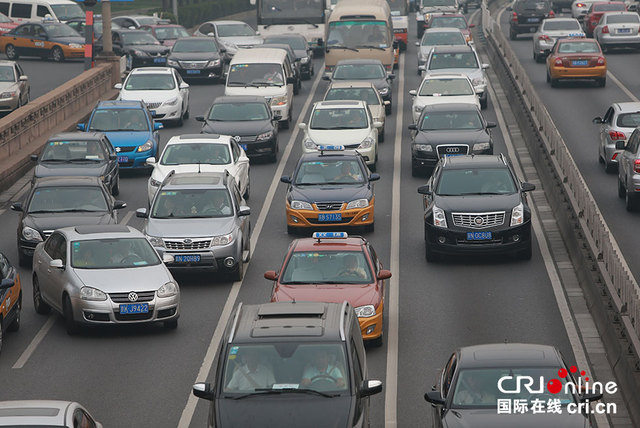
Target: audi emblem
{"x": 237, "y": 138}
{"x": 478, "y": 220}
{"x": 133, "y": 296}
{"x": 188, "y": 241}
{"x": 453, "y": 149}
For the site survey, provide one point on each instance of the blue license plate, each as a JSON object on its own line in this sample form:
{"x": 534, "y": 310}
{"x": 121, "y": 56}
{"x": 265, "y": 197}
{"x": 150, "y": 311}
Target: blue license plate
{"x": 533, "y": 19}
{"x": 478, "y": 236}
{"x": 624, "y": 30}
{"x": 159, "y": 60}
{"x": 193, "y": 71}
{"x": 134, "y": 308}
{"x": 579, "y": 63}
{"x": 330, "y": 217}
{"x": 244, "y": 147}
{"x": 123, "y": 159}
{"x": 191, "y": 258}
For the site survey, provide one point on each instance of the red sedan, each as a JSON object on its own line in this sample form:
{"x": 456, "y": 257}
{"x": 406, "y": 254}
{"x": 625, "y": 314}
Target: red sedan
{"x": 597, "y": 10}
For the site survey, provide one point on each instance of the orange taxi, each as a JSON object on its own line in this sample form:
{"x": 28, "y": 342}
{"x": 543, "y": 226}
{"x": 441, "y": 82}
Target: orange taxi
{"x": 10, "y": 298}
{"x": 53, "y": 40}
{"x": 576, "y": 58}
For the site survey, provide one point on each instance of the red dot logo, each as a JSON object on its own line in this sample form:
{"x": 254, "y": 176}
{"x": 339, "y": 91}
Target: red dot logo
{"x": 554, "y": 386}
{"x": 562, "y": 373}
{"x": 573, "y": 369}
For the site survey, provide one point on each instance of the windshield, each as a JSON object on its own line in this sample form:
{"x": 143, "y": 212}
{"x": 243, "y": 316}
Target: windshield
{"x": 198, "y": 45}
{"x": 67, "y": 199}
{"x": 321, "y": 267}
{"x": 629, "y": 120}
{"x": 196, "y": 153}
{"x": 609, "y": 7}
{"x": 118, "y": 253}
{"x": 258, "y": 74}
{"x": 623, "y": 19}
{"x": 461, "y": 120}
{"x": 73, "y": 150}
{"x": 192, "y": 203}
{"x": 124, "y": 119}
{"x": 479, "y": 387}
{"x": 296, "y": 43}
{"x": 556, "y": 25}
{"x": 150, "y": 82}
{"x": 233, "y": 112}
{"x": 330, "y": 172}
{"x": 536, "y": 5}
{"x": 358, "y": 34}
{"x": 578, "y": 47}
{"x": 285, "y": 367}
{"x": 446, "y": 87}
{"x": 359, "y": 72}
{"x": 292, "y": 11}
{"x": 432, "y": 3}
{"x": 440, "y": 61}
{"x": 170, "y": 33}
{"x": 60, "y": 30}
{"x": 235, "y": 30}
{"x": 339, "y": 118}
{"x": 369, "y": 95}
{"x": 65, "y": 12}
{"x": 443, "y": 38}
{"x": 399, "y": 6}
{"x": 449, "y": 22}
{"x": 7, "y": 74}
{"x": 458, "y": 182}
{"x": 139, "y": 38}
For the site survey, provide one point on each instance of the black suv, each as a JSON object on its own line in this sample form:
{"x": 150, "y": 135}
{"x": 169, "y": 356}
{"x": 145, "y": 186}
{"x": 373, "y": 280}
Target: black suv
{"x": 291, "y": 364}
{"x": 526, "y": 16}
{"x": 476, "y": 204}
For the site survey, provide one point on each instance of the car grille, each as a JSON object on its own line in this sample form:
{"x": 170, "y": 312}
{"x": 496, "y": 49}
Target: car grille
{"x": 125, "y": 149}
{"x": 143, "y": 296}
{"x": 153, "y": 105}
{"x": 247, "y": 139}
{"x": 459, "y": 149}
{"x": 478, "y": 220}
{"x": 182, "y": 245}
{"x": 193, "y": 64}
{"x": 343, "y": 221}
{"x": 329, "y": 206}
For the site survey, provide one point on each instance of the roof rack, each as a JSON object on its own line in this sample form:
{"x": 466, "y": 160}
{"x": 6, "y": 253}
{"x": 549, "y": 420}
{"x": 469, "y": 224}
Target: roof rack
{"x": 235, "y": 323}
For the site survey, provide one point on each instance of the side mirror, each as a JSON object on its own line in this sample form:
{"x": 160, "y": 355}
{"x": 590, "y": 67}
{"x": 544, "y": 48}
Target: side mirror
{"x": 597, "y": 120}
{"x": 386, "y": 103}
{"x": 244, "y": 211}
{"x": 34, "y": 158}
{"x": 157, "y": 126}
{"x": 384, "y": 274}
{"x": 271, "y": 275}
{"x": 81, "y": 127}
{"x": 142, "y": 213}
{"x": 434, "y": 397}
{"x": 302, "y": 126}
{"x": 424, "y": 190}
{"x": 16, "y": 206}
{"x": 377, "y": 125}
{"x": 285, "y": 179}
{"x": 485, "y": 66}
{"x": 620, "y": 145}
{"x": 374, "y": 177}
{"x": 527, "y": 187}
{"x": 184, "y": 85}
{"x": 422, "y": 67}
{"x": 413, "y": 92}
{"x": 417, "y": 43}
{"x": 478, "y": 90}
{"x": 203, "y": 390}
{"x": 491, "y": 124}
{"x": 210, "y": 34}
{"x": 168, "y": 258}
{"x": 117, "y": 86}
{"x": 150, "y": 161}
{"x": 370, "y": 387}
{"x": 6, "y": 283}
{"x": 413, "y": 127}
{"x": 24, "y": 78}
{"x": 199, "y": 118}
{"x": 391, "y": 76}
{"x": 56, "y": 263}
{"x": 291, "y": 80}
{"x": 326, "y": 78}
{"x": 277, "y": 116}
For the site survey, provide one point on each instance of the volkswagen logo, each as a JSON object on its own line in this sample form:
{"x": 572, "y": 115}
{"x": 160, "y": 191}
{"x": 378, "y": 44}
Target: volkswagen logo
{"x": 453, "y": 149}
{"x": 237, "y": 138}
{"x": 118, "y": 149}
{"x": 133, "y": 296}
{"x": 188, "y": 241}
{"x": 478, "y": 220}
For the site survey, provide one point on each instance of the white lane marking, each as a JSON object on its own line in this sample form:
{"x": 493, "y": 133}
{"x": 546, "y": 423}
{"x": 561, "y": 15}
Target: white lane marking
{"x": 127, "y": 217}
{"x": 558, "y": 291}
{"x": 621, "y": 86}
{"x": 203, "y": 374}
{"x": 35, "y": 342}
{"x": 391, "y": 380}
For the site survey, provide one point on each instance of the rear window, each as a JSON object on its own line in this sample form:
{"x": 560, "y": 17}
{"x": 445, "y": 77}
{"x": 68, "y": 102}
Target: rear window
{"x": 556, "y": 25}
{"x": 623, "y": 19}
{"x": 358, "y": 94}
{"x": 629, "y": 120}
{"x": 535, "y": 5}
{"x": 578, "y": 47}
{"x": 608, "y": 7}
{"x": 440, "y": 61}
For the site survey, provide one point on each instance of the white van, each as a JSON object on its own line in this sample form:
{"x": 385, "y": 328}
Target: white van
{"x": 36, "y": 10}
{"x": 265, "y": 73}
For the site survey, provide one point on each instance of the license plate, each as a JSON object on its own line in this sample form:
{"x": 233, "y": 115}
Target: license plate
{"x": 134, "y": 308}
{"x": 533, "y": 19}
{"x": 579, "y": 63}
{"x": 244, "y": 147}
{"x": 193, "y": 71}
{"x": 191, "y": 258}
{"x": 159, "y": 60}
{"x": 624, "y": 30}
{"x": 478, "y": 236}
{"x": 330, "y": 217}
{"x": 123, "y": 159}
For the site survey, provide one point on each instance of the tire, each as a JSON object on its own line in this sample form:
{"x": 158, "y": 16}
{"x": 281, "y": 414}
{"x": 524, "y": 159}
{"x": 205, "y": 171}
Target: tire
{"x": 381, "y": 135}
{"x": 115, "y": 190}
{"x": 171, "y": 325}
{"x": 24, "y": 260}
{"x": 247, "y": 191}
{"x": 526, "y": 253}
{"x": 548, "y": 77}
{"x": 180, "y": 120}
{"x": 15, "y": 324}
{"x": 273, "y": 157}
{"x": 370, "y": 227}
{"x": 292, "y": 230}
{"x": 56, "y": 54}
{"x": 420, "y": 31}
{"x": 372, "y": 168}
{"x": 610, "y": 167}
{"x": 186, "y": 114}
{"x": 605, "y": 49}
{"x": 387, "y": 109}
{"x": 602, "y": 82}
{"x": 67, "y": 312}
{"x": 238, "y": 274}
{"x": 483, "y": 102}
{"x": 554, "y": 83}
{"x": 296, "y": 88}
{"x": 429, "y": 254}
{"x": 28, "y": 97}
{"x": 513, "y": 35}
{"x": 630, "y": 201}
{"x": 40, "y": 306}
{"x": 621, "y": 190}
{"x": 11, "y": 53}
{"x": 535, "y": 57}
{"x": 415, "y": 171}
{"x": 376, "y": 343}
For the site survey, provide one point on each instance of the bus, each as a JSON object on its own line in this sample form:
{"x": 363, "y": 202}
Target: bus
{"x": 306, "y": 17}
{"x": 400, "y": 17}
{"x": 360, "y": 29}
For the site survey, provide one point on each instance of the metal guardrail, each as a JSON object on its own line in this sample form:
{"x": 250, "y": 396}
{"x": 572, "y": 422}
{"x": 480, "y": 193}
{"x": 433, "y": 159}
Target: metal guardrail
{"x": 621, "y": 283}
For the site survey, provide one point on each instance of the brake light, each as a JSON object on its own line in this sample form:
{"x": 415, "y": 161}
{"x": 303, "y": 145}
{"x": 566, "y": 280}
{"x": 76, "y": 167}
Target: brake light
{"x": 616, "y": 135}
{"x": 558, "y": 61}
{"x": 636, "y": 165}
{"x": 544, "y": 37}
{"x": 551, "y": 14}
{"x": 605, "y": 29}
{"x": 514, "y": 17}
{"x": 579, "y": 4}
{"x": 600, "y": 61}
{"x": 615, "y": 155}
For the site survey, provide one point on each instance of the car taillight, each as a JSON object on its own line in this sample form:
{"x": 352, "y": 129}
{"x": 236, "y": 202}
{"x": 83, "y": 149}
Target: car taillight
{"x": 579, "y": 4}
{"x": 616, "y": 135}
{"x": 600, "y": 61}
{"x": 558, "y": 61}
{"x": 551, "y": 14}
{"x": 514, "y": 17}
{"x": 615, "y": 155}
{"x": 544, "y": 37}
{"x": 636, "y": 165}
{"x": 605, "y": 29}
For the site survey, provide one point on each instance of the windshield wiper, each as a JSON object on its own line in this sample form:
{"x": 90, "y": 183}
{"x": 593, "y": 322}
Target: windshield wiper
{"x": 236, "y": 83}
{"x": 55, "y": 160}
{"x": 310, "y": 23}
{"x": 79, "y": 210}
{"x": 260, "y": 83}
{"x": 268, "y": 391}
{"x": 342, "y": 47}
{"x": 84, "y": 160}
{"x": 343, "y": 182}
{"x": 42, "y": 211}
{"x": 372, "y": 47}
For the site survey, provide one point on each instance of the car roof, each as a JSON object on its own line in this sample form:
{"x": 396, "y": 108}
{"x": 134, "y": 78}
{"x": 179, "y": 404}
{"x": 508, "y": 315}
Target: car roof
{"x": 339, "y": 103}
{"x": 445, "y": 76}
{"x": 502, "y": 355}
{"x": 259, "y": 55}
{"x": 451, "y": 107}
{"x": 120, "y": 104}
{"x": 628, "y": 107}
{"x": 100, "y": 231}
{"x": 161, "y": 25}
{"x": 200, "y": 139}
{"x": 77, "y": 136}
{"x": 152, "y": 70}
{"x": 226, "y": 21}
{"x": 351, "y": 84}
{"x": 195, "y": 180}
{"x": 352, "y": 243}
{"x": 474, "y": 161}
{"x": 452, "y": 49}
{"x": 34, "y": 412}
{"x": 224, "y": 99}
{"x": 61, "y": 181}
{"x": 197, "y": 37}
{"x": 358, "y": 61}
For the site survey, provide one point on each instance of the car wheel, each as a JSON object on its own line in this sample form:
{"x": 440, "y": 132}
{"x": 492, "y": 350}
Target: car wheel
{"x": 11, "y": 53}
{"x": 381, "y": 135}
{"x": 535, "y": 57}
{"x": 28, "y": 97}
{"x": 554, "y": 83}
{"x": 24, "y": 260}
{"x": 483, "y": 102}
{"x": 602, "y": 82}
{"x": 238, "y": 274}
{"x": 415, "y": 171}
{"x": 296, "y": 88}
{"x": 387, "y": 109}
{"x": 247, "y": 191}
{"x": 56, "y": 54}
{"x": 630, "y": 201}
{"x": 429, "y": 254}
{"x": 526, "y": 253}
{"x": 548, "y": 76}
{"x": 376, "y": 343}
{"x": 605, "y": 49}
{"x": 274, "y": 152}
{"x": 369, "y": 228}
{"x": 115, "y": 190}
{"x": 610, "y": 167}
{"x": 186, "y": 114}
{"x": 513, "y": 35}
{"x": 621, "y": 190}
{"x": 38, "y": 303}
{"x": 15, "y": 325}
{"x": 171, "y": 325}
{"x": 292, "y": 230}
{"x": 67, "y": 312}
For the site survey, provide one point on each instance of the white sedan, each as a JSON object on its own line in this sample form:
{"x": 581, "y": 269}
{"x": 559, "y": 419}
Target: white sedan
{"x": 443, "y": 89}
{"x": 161, "y": 88}
{"x": 200, "y": 152}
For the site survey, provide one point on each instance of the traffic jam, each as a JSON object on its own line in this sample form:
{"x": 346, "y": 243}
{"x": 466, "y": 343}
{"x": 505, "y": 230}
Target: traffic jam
{"x": 163, "y": 193}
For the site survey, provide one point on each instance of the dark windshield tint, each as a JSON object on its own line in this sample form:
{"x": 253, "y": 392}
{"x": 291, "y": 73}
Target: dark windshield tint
{"x": 196, "y": 153}
{"x": 234, "y": 112}
{"x": 440, "y": 61}
{"x": 430, "y": 3}
{"x": 609, "y": 7}
{"x": 578, "y": 47}
{"x": 7, "y": 73}
{"x": 295, "y": 42}
{"x": 235, "y": 30}
{"x": 140, "y": 38}
{"x": 556, "y": 25}
{"x": 449, "y": 22}
{"x": 197, "y": 45}
{"x": 125, "y": 119}
{"x": 73, "y": 150}
{"x": 446, "y": 87}
{"x": 461, "y": 120}
{"x": 623, "y": 19}
{"x": 61, "y": 199}
{"x": 443, "y": 38}
{"x": 255, "y": 74}
{"x": 150, "y": 82}
{"x": 60, "y": 30}
{"x": 170, "y": 33}
{"x": 533, "y": 5}
{"x": 358, "y": 34}
{"x": 629, "y": 120}
{"x": 457, "y": 182}
{"x": 65, "y": 12}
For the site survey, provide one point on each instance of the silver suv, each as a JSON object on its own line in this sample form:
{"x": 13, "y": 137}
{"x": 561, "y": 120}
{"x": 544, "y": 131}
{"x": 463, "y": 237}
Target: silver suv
{"x": 201, "y": 221}
{"x": 629, "y": 169}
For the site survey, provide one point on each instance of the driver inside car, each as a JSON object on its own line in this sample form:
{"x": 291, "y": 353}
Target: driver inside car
{"x": 322, "y": 369}
{"x": 351, "y": 268}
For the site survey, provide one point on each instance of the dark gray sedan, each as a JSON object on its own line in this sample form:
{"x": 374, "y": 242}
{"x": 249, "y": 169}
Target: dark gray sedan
{"x": 198, "y": 58}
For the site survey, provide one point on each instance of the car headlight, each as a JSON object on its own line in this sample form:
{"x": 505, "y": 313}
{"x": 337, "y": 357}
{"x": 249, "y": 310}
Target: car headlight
{"x": 478, "y": 81}
{"x": 264, "y": 136}
{"x": 155, "y": 241}
{"x": 383, "y": 91}
{"x": 172, "y": 63}
{"x": 8, "y": 94}
{"x": 154, "y": 183}
{"x": 517, "y": 215}
{"x": 365, "y": 311}
{"x": 358, "y": 203}
{"x": 146, "y": 146}
{"x": 279, "y": 101}
{"x": 418, "y": 108}
{"x": 167, "y": 290}
{"x": 423, "y": 147}
{"x": 222, "y": 240}
{"x": 481, "y": 146}
{"x": 171, "y": 102}
{"x": 366, "y": 143}
{"x": 75, "y": 45}
{"x": 309, "y": 144}
{"x": 30, "y": 234}
{"x": 304, "y": 60}
{"x": 300, "y": 205}
{"x": 137, "y": 52}
{"x": 439, "y": 218}
{"x": 90, "y": 293}
{"x": 213, "y": 63}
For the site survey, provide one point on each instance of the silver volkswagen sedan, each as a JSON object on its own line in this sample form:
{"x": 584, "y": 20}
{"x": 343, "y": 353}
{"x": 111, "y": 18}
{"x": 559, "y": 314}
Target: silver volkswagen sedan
{"x": 105, "y": 274}
{"x": 551, "y": 30}
{"x": 618, "y": 30}
{"x": 14, "y": 86}
{"x": 433, "y": 37}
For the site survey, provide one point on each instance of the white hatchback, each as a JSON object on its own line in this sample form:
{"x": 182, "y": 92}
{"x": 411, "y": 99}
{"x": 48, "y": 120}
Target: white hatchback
{"x": 161, "y": 88}
{"x": 200, "y": 152}
{"x": 443, "y": 89}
